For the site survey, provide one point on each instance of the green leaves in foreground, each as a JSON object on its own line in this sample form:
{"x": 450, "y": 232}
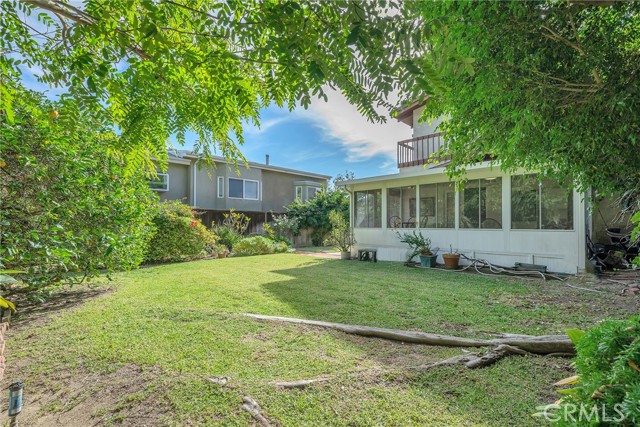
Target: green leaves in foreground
{"x": 608, "y": 379}
{"x": 156, "y": 69}
{"x": 69, "y": 209}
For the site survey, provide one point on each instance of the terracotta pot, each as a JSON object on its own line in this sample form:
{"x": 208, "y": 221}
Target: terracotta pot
{"x": 451, "y": 261}
{"x": 222, "y": 255}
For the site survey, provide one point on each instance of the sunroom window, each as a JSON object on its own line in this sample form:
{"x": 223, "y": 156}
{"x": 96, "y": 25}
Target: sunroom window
{"x": 368, "y": 209}
{"x": 540, "y": 204}
{"x": 401, "y": 207}
{"x": 437, "y": 205}
{"x": 481, "y": 204}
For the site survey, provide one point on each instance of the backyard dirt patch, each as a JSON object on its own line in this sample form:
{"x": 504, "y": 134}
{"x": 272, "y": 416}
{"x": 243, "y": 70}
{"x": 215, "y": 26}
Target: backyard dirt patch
{"x": 609, "y": 298}
{"x": 128, "y": 396}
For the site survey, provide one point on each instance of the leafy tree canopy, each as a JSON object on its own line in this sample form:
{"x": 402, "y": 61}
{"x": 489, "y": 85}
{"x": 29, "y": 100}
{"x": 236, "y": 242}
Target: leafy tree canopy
{"x": 551, "y": 86}
{"x": 152, "y": 69}
{"x": 67, "y": 208}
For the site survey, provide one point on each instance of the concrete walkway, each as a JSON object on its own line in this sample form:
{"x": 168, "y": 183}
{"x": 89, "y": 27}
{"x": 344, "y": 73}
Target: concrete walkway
{"x": 320, "y": 254}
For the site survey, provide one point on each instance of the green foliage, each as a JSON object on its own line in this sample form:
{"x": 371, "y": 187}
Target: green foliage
{"x": 607, "y": 362}
{"x": 341, "y": 235}
{"x": 283, "y": 228}
{"x": 236, "y": 221}
{"x": 258, "y": 245}
{"x": 179, "y": 234}
{"x": 270, "y": 234}
{"x": 233, "y": 226}
{"x": 419, "y": 244}
{"x": 539, "y": 85}
{"x": 155, "y": 68}
{"x": 227, "y": 236}
{"x": 635, "y": 236}
{"x": 68, "y": 208}
{"x": 314, "y": 213}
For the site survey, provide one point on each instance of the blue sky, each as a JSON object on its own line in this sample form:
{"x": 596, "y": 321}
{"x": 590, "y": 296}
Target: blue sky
{"x": 328, "y": 138}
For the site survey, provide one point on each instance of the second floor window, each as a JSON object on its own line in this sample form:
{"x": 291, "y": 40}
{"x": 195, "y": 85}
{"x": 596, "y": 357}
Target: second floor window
{"x": 243, "y": 189}
{"x": 220, "y": 187}
{"x": 312, "y": 192}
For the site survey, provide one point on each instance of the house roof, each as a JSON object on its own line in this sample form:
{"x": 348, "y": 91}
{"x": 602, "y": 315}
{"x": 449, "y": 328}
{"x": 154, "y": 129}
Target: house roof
{"x": 433, "y": 168}
{"x": 179, "y": 156}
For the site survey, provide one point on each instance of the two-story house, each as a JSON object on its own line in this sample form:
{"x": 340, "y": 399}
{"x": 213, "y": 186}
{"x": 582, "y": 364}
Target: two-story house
{"x": 256, "y": 189}
{"x": 501, "y": 217}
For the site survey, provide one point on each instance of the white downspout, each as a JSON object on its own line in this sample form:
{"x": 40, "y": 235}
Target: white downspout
{"x": 195, "y": 183}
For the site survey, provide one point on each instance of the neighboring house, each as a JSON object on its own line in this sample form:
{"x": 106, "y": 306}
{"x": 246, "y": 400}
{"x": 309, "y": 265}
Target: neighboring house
{"x": 503, "y": 218}
{"x": 257, "y": 190}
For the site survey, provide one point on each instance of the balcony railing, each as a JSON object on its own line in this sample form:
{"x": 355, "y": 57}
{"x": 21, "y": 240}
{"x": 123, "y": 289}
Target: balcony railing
{"x": 419, "y": 151}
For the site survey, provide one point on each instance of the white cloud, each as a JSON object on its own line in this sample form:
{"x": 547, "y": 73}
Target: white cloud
{"x": 265, "y": 125}
{"x": 360, "y": 138}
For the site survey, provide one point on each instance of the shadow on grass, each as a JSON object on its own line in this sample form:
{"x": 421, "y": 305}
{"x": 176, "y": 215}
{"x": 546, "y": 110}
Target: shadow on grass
{"x": 33, "y": 312}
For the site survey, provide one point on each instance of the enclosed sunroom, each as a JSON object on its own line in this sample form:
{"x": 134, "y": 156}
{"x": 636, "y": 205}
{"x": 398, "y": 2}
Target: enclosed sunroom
{"x": 496, "y": 216}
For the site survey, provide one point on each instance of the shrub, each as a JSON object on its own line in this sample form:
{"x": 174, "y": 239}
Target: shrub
{"x": 233, "y": 227}
{"x": 236, "y": 221}
{"x": 228, "y": 236}
{"x": 258, "y": 245}
{"x": 419, "y": 244}
{"x": 180, "y": 235}
{"x": 314, "y": 213}
{"x": 69, "y": 208}
{"x": 341, "y": 235}
{"x": 282, "y": 228}
{"x": 608, "y": 367}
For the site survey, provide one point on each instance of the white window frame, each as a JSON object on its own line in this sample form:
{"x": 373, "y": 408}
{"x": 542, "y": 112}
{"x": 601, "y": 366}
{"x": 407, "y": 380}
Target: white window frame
{"x": 295, "y": 193}
{"x": 221, "y": 187}
{"x": 158, "y": 175}
{"x": 243, "y": 189}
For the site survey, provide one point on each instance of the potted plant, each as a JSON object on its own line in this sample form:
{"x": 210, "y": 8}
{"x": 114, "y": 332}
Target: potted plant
{"x": 451, "y": 259}
{"x": 341, "y": 235}
{"x": 220, "y": 250}
{"x": 421, "y": 246}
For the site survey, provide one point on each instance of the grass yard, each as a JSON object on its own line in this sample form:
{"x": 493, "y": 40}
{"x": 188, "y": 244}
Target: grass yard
{"x": 143, "y": 353}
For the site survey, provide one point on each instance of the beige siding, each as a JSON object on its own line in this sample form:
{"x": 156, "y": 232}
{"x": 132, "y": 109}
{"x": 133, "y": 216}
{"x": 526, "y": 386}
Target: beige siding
{"x": 178, "y": 184}
{"x": 279, "y": 189}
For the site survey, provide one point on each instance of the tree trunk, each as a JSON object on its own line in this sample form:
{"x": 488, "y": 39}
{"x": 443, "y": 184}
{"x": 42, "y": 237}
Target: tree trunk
{"x": 544, "y": 344}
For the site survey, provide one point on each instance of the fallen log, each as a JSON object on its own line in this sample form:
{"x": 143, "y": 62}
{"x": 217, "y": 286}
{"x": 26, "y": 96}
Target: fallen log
{"x": 543, "y": 344}
{"x": 473, "y": 361}
{"x": 253, "y": 407}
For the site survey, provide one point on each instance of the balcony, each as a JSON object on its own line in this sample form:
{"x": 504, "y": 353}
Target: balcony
{"x": 418, "y": 151}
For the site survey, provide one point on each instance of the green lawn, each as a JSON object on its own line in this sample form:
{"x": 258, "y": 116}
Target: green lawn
{"x": 142, "y": 355}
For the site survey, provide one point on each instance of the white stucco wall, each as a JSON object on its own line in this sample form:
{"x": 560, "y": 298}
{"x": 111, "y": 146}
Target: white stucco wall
{"x": 426, "y": 127}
